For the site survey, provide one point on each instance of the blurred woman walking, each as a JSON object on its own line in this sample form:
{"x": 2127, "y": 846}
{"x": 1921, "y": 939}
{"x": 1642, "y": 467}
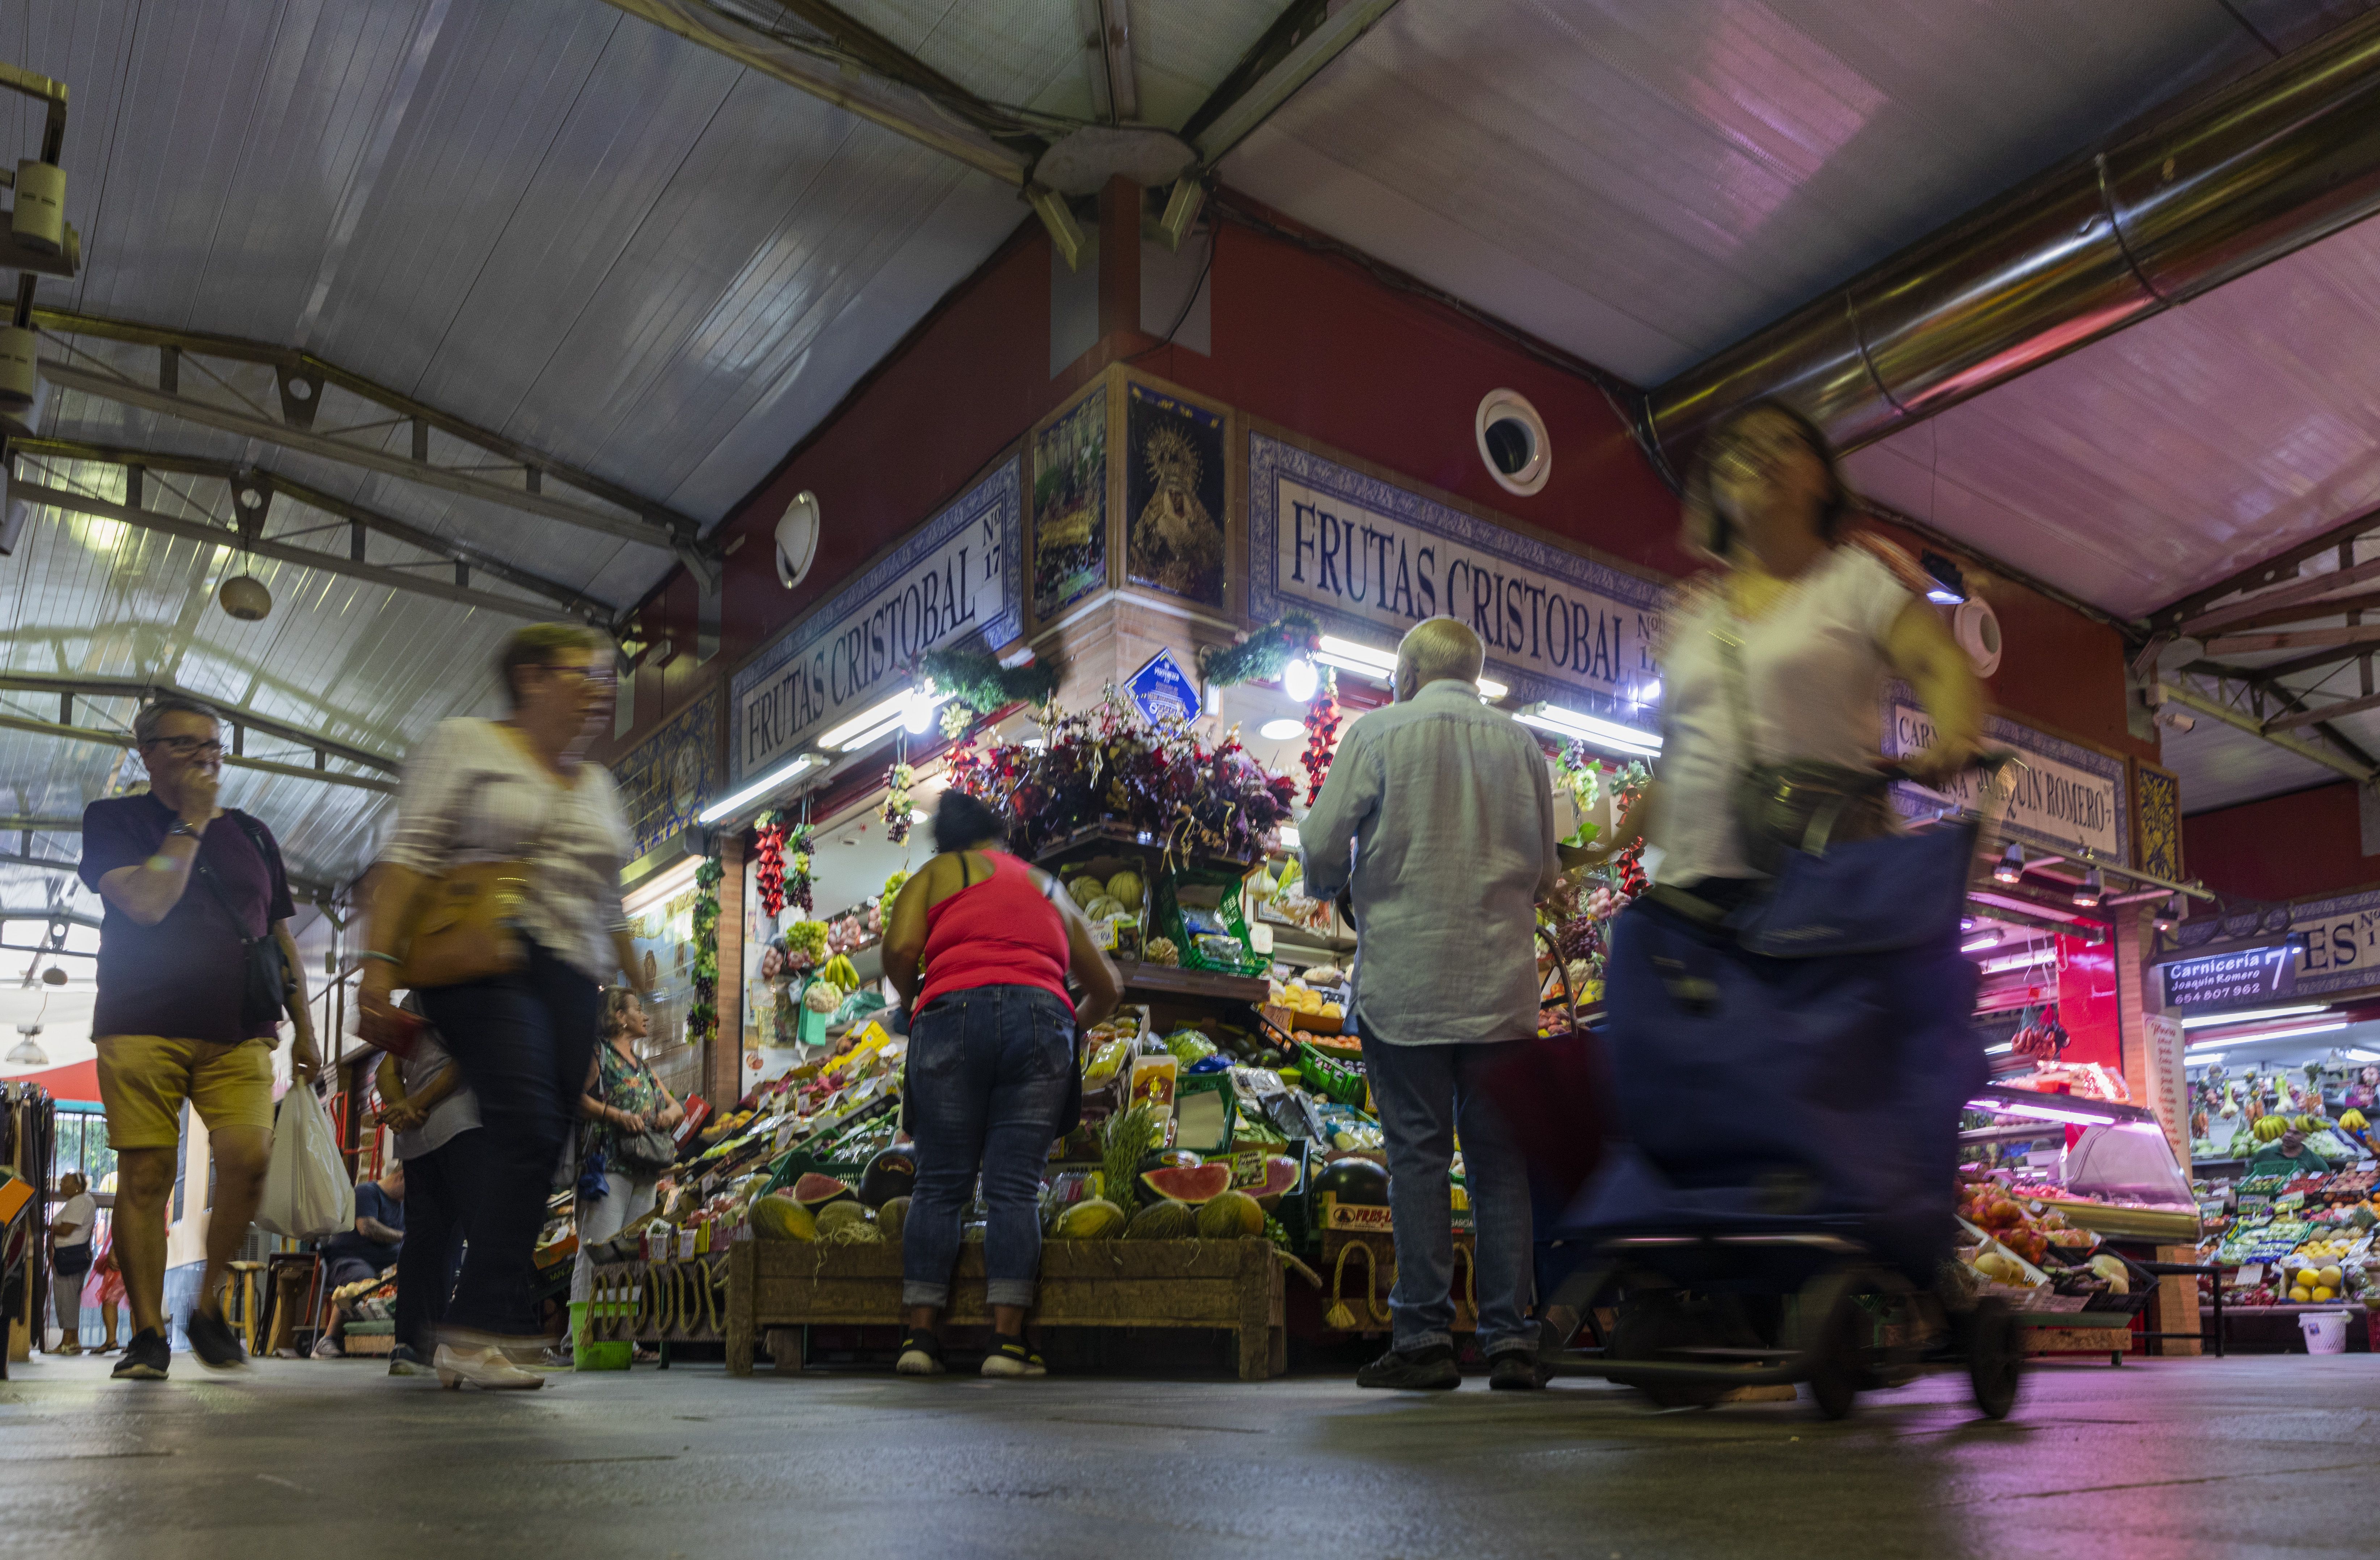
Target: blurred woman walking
{"x": 508, "y": 850}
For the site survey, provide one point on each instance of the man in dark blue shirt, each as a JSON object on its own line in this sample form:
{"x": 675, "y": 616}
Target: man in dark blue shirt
{"x": 363, "y": 1253}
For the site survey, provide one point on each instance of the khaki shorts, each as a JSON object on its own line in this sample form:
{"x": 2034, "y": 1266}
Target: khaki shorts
{"x": 143, "y": 1079}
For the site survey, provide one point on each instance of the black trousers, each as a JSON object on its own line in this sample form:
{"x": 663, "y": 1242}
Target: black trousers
{"x": 524, "y": 1042}
{"x": 440, "y": 1186}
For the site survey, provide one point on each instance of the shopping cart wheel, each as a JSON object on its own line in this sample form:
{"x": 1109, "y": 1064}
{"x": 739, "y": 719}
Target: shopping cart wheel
{"x": 1995, "y": 1355}
{"x": 1840, "y": 1364}
{"x": 1649, "y": 1326}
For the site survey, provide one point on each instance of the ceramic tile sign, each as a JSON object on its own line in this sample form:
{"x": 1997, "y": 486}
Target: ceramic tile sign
{"x": 1070, "y": 506}
{"x": 956, "y": 578}
{"x": 1370, "y": 559}
{"x": 1174, "y": 500}
{"x": 1161, "y": 690}
{"x": 2336, "y": 945}
{"x": 666, "y": 780}
{"x": 2240, "y": 978}
{"x": 2061, "y": 795}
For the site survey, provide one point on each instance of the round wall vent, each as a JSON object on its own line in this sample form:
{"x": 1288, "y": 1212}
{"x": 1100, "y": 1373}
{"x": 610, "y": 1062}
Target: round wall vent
{"x": 1978, "y": 629}
{"x": 797, "y": 536}
{"x": 1513, "y": 441}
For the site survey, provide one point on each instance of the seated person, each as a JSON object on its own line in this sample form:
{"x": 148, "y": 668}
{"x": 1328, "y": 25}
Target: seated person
{"x": 365, "y": 1252}
{"x": 2288, "y": 1155}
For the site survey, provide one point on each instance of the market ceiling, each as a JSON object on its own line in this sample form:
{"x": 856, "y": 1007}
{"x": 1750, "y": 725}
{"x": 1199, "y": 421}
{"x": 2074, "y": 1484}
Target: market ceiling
{"x": 601, "y": 265}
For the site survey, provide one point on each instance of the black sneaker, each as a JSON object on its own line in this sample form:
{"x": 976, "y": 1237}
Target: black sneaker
{"x": 1430, "y": 1369}
{"x": 1013, "y": 1357}
{"x": 921, "y": 1354}
{"x": 213, "y": 1342}
{"x": 1514, "y": 1371}
{"x": 145, "y": 1358}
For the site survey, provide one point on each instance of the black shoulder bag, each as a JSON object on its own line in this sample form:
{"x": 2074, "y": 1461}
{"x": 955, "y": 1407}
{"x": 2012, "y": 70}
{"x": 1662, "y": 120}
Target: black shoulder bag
{"x": 265, "y": 985}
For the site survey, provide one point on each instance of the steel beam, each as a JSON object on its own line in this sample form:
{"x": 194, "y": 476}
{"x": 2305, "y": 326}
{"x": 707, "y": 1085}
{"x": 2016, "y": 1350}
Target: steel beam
{"x": 2305, "y": 590}
{"x": 480, "y": 559}
{"x": 124, "y": 739}
{"x": 292, "y": 366}
{"x": 784, "y": 60}
{"x": 2281, "y": 566}
{"x": 2299, "y": 639}
{"x": 307, "y": 887}
{"x": 40, "y": 826}
{"x": 2315, "y": 714}
{"x": 1321, "y": 35}
{"x": 124, "y": 392}
{"x": 233, "y": 715}
{"x": 305, "y": 557}
{"x": 2168, "y": 691}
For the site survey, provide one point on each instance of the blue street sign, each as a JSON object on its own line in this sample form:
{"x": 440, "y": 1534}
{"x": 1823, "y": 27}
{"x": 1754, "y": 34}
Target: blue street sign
{"x": 1162, "y": 691}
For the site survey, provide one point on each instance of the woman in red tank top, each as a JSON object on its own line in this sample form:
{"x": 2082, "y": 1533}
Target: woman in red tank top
{"x": 979, "y": 945}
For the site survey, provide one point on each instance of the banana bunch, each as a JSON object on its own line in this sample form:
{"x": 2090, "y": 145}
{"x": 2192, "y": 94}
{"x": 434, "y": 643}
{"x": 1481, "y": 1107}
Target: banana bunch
{"x": 840, "y": 971}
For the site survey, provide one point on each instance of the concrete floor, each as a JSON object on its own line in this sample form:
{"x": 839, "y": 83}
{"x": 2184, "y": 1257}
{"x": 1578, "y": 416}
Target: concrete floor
{"x": 333, "y": 1460}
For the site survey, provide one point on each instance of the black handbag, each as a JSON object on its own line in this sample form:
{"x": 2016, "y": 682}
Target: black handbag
{"x": 265, "y": 980}
{"x": 644, "y": 1154}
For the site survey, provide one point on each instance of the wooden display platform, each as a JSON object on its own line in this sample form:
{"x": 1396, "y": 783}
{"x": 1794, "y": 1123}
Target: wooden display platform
{"x": 1231, "y": 1285}
{"x": 2076, "y": 1332}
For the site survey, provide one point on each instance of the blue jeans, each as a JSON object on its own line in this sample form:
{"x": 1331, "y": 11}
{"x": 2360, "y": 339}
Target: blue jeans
{"x": 524, "y": 1042}
{"x": 990, "y": 1071}
{"x": 1424, "y": 1094}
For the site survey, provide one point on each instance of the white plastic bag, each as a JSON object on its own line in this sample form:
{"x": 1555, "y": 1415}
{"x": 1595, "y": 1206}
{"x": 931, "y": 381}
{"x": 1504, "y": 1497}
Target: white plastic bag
{"x": 306, "y": 1189}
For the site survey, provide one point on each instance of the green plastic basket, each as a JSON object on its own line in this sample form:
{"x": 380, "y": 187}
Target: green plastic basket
{"x": 1341, "y": 1083}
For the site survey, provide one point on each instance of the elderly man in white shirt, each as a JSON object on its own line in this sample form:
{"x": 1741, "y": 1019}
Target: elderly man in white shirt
{"x": 1445, "y": 809}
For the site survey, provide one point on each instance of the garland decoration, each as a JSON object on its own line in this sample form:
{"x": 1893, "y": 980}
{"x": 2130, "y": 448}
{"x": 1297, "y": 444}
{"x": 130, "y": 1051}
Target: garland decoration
{"x": 1114, "y": 764}
{"x": 1322, "y": 738}
{"x": 702, "y": 1013}
{"x": 979, "y": 685}
{"x": 897, "y": 803}
{"x": 1261, "y": 656}
{"x": 768, "y": 862}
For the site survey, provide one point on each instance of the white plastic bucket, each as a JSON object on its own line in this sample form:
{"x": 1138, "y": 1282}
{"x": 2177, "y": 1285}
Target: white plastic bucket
{"x": 2326, "y": 1332}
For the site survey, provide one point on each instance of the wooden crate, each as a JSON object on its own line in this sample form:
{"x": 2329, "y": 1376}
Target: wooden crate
{"x": 1231, "y": 1285}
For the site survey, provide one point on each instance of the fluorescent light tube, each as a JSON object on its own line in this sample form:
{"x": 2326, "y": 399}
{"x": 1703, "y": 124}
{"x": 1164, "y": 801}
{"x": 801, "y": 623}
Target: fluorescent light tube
{"x": 2205, "y": 1021}
{"x": 758, "y": 788}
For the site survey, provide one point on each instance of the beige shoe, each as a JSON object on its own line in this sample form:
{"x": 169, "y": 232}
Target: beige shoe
{"x": 486, "y": 1369}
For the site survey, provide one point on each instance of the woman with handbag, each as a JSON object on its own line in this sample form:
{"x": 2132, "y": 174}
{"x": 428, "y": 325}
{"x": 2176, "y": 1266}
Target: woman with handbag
{"x": 1774, "y": 666}
{"x": 1796, "y": 942}
{"x": 630, "y": 1119}
{"x": 499, "y": 901}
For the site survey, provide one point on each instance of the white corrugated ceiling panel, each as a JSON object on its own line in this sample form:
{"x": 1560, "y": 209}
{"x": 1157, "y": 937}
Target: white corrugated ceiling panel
{"x": 1646, "y": 183}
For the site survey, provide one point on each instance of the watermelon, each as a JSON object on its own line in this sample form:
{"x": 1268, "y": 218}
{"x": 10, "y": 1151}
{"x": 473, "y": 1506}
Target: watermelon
{"x": 1355, "y": 1181}
{"x": 1165, "y": 1158}
{"x": 1280, "y": 1179}
{"x": 891, "y": 1174}
{"x": 1191, "y": 1184}
{"x": 815, "y": 1192}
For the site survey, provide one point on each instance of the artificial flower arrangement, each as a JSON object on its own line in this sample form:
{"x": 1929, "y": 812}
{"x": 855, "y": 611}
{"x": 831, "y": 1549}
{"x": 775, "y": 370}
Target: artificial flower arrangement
{"x": 1113, "y": 763}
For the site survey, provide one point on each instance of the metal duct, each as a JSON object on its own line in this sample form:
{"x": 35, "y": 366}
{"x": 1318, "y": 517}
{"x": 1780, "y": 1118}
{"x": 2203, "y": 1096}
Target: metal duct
{"x": 2279, "y": 159}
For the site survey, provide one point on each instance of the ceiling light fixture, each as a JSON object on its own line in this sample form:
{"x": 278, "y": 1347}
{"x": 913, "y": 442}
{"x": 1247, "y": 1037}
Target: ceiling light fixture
{"x": 2169, "y": 913}
{"x": 757, "y": 789}
{"x": 2041, "y": 953}
{"x": 1989, "y": 940}
{"x": 2287, "y": 1033}
{"x": 2207, "y": 1021}
{"x": 1299, "y": 680}
{"x": 2088, "y": 893}
{"x": 1593, "y": 729}
{"x": 1378, "y": 665}
{"x": 2010, "y": 871}
{"x": 1280, "y": 730}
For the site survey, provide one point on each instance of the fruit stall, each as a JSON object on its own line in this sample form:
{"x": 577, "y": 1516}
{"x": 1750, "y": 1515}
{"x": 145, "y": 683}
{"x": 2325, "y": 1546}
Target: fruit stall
{"x": 2065, "y": 1203}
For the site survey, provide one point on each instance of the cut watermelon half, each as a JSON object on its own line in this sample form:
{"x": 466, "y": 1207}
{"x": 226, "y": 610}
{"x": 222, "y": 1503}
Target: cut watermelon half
{"x": 815, "y": 1192}
{"x": 1193, "y": 1184}
{"x": 1280, "y": 1179}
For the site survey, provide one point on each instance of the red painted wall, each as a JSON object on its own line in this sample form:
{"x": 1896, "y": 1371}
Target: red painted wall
{"x": 2284, "y": 847}
{"x": 1314, "y": 342}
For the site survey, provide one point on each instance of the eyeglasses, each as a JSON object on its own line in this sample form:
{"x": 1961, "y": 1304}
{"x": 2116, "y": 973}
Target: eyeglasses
{"x": 188, "y": 747}
{"x": 584, "y": 674}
